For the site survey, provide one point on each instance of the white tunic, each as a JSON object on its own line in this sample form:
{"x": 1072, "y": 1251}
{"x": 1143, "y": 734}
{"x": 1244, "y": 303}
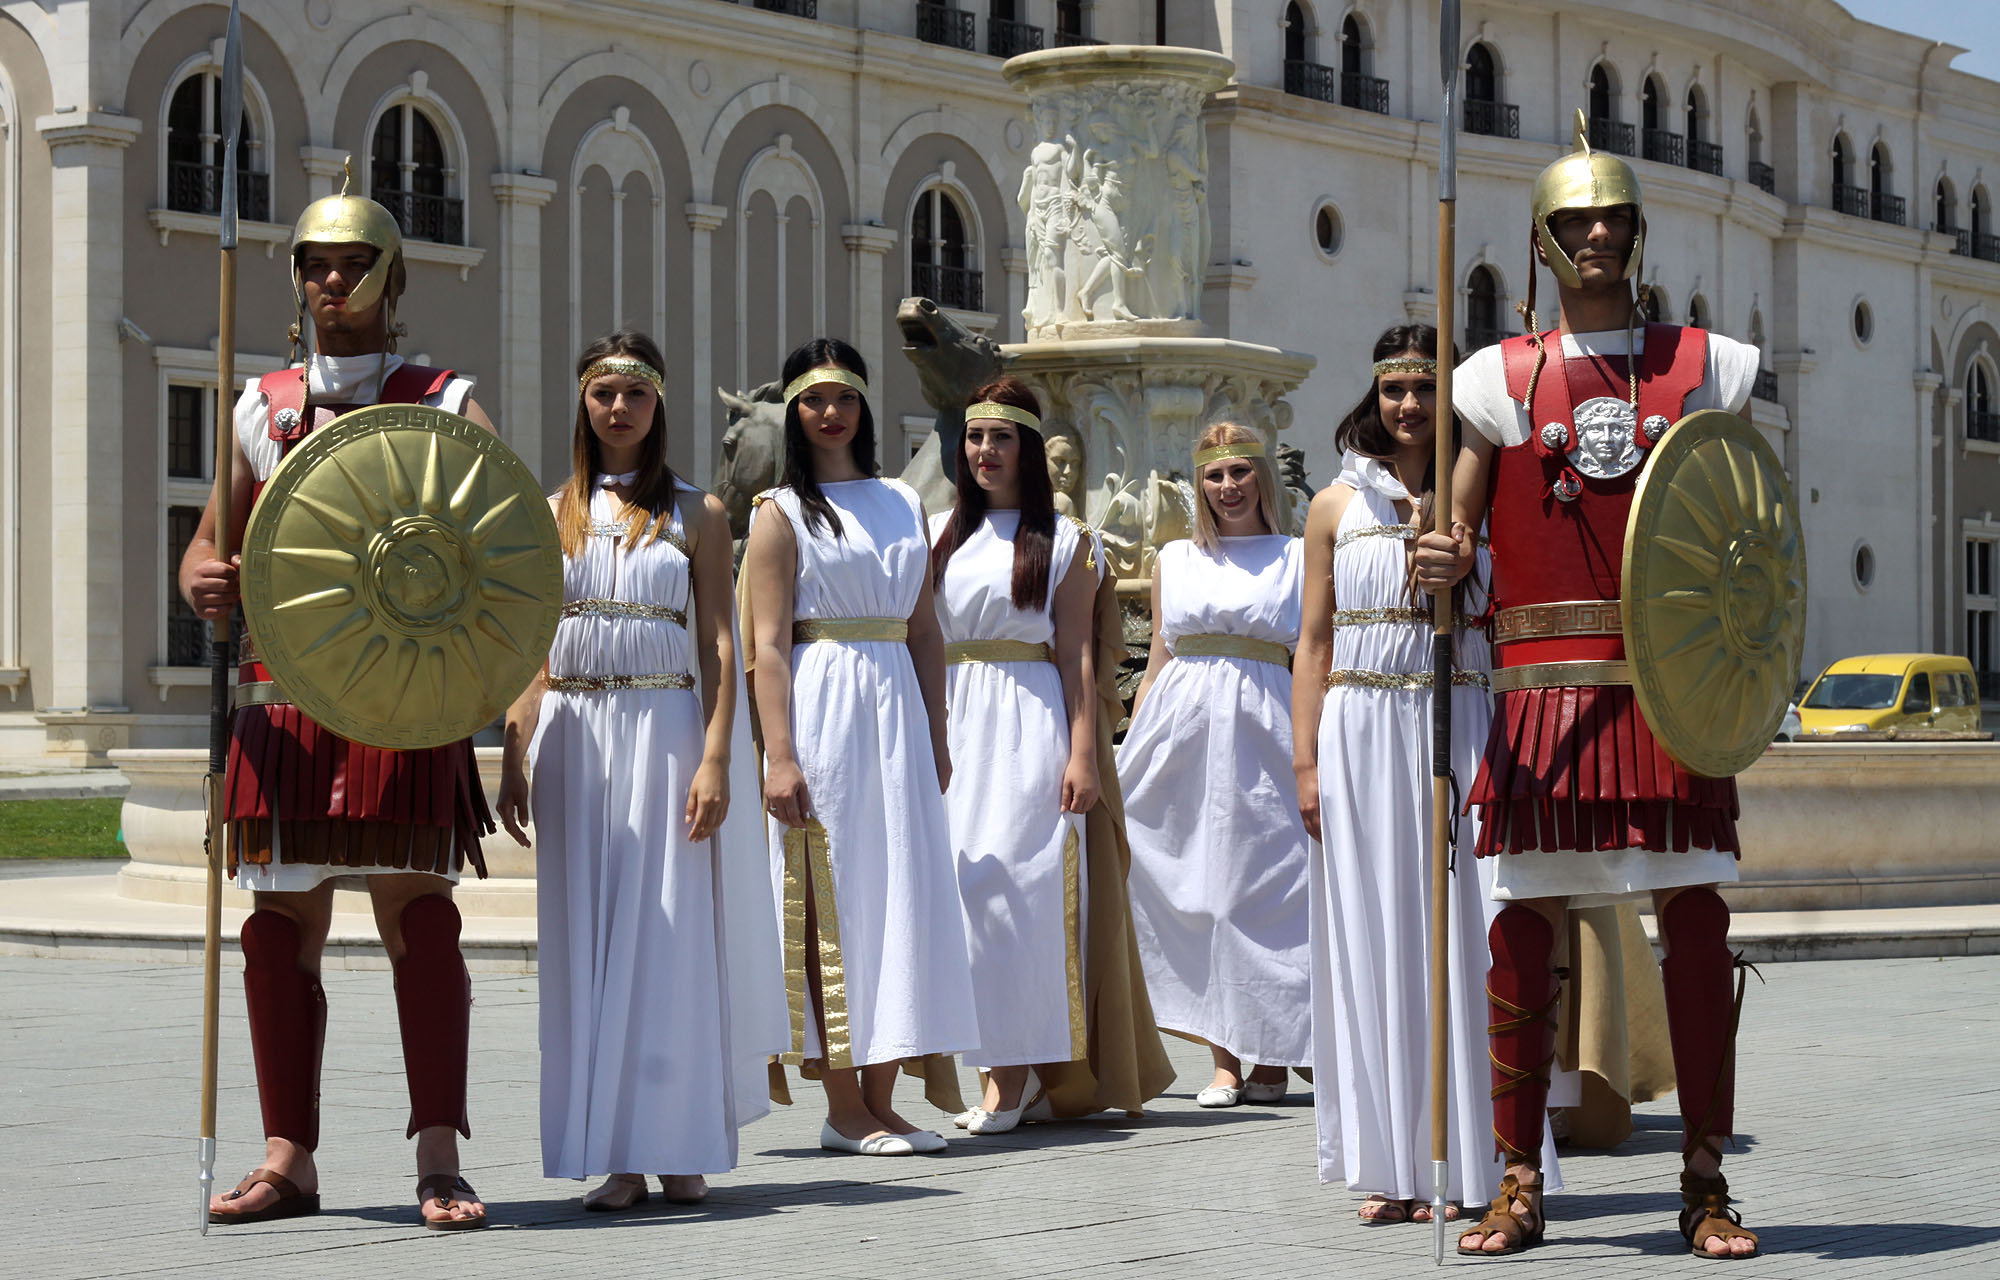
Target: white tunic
{"x": 1371, "y": 894}
{"x": 1479, "y": 394}
{"x": 1218, "y": 882}
{"x": 659, "y": 963}
{"x": 894, "y": 975}
{"x": 1020, "y": 857}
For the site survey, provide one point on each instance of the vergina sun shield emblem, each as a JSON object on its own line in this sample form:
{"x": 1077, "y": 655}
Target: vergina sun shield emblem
{"x": 1605, "y": 447}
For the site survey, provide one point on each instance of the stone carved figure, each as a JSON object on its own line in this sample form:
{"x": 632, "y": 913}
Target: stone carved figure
{"x": 1043, "y": 199}
{"x": 952, "y": 362}
{"x": 1065, "y": 457}
{"x": 752, "y": 452}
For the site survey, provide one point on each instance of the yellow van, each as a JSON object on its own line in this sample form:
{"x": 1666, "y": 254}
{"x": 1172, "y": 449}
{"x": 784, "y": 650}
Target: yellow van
{"x": 1889, "y": 691}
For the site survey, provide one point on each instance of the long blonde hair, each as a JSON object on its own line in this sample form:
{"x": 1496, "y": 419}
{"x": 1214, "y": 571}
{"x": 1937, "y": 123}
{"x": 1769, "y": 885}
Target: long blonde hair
{"x": 1221, "y": 433}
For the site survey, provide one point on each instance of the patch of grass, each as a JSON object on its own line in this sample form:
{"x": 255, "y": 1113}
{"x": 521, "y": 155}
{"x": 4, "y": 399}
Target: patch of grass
{"x": 61, "y": 828}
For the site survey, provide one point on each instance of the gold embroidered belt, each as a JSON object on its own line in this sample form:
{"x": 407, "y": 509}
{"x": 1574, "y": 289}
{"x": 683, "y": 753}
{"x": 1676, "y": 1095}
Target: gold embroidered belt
{"x": 1560, "y": 618}
{"x": 1352, "y": 678}
{"x": 1400, "y": 613}
{"x": 849, "y": 630}
{"x": 622, "y": 609}
{"x": 1561, "y": 675}
{"x": 602, "y": 684}
{"x": 261, "y": 693}
{"x": 963, "y": 651}
{"x": 1233, "y": 647}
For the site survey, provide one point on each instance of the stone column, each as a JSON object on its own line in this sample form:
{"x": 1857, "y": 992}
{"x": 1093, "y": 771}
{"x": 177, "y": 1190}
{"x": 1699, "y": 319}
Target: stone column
{"x": 1013, "y": 261}
{"x": 867, "y": 243}
{"x": 1925, "y": 384}
{"x": 519, "y": 359}
{"x": 87, "y": 453}
{"x": 325, "y": 168}
{"x": 702, "y": 221}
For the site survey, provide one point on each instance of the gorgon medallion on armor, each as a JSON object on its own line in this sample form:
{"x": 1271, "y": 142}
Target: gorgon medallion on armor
{"x": 402, "y": 576}
{"x": 1714, "y": 596}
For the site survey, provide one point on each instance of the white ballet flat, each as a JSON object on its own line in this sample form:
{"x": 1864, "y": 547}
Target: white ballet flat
{"x": 1259, "y": 1091}
{"x": 963, "y": 1119}
{"x": 882, "y": 1144}
{"x": 1220, "y": 1095}
{"x": 924, "y": 1142}
{"x": 1001, "y": 1121}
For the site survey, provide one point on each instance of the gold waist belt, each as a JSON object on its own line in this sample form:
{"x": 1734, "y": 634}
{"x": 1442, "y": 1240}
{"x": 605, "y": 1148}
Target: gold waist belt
{"x": 1400, "y": 613}
{"x": 1558, "y": 618}
{"x": 849, "y": 630}
{"x": 622, "y": 609}
{"x": 1349, "y": 677}
{"x": 997, "y": 651}
{"x": 601, "y": 684}
{"x": 1560, "y": 675}
{"x": 1233, "y": 647}
{"x": 261, "y": 693}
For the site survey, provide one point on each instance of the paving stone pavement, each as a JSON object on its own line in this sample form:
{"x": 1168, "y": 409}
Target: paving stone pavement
{"x": 1869, "y": 1104}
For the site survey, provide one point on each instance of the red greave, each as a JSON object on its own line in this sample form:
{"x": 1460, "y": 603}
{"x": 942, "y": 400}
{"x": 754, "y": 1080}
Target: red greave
{"x": 287, "y": 1027}
{"x": 434, "y": 1007}
{"x": 1521, "y": 993}
{"x": 1700, "y": 1013}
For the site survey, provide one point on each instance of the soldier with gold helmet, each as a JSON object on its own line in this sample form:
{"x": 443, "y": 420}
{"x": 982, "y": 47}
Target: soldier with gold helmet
{"x": 305, "y": 805}
{"x": 1595, "y": 786}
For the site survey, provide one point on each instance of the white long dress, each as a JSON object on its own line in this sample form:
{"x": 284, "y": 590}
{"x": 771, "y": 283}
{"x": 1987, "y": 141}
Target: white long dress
{"x": 893, "y": 971}
{"x": 1218, "y": 881}
{"x": 1020, "y": 857}
{"x": 1371, "y": 882}
{"x": 659, "y": 963}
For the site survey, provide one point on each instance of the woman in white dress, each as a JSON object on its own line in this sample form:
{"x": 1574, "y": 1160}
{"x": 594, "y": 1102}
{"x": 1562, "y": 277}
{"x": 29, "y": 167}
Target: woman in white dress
{"x": 849, "y": 689}
{"x": 1361, "y": 708}
{"x": 1015, "y": 584}
{"x": 658, "y": 964}
{"x": 1218, "y": 854}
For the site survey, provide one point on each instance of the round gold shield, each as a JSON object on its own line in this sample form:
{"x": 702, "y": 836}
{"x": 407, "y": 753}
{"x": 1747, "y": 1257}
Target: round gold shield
{"x": 1714, "y": 598}
{"x": 402, "y": 576}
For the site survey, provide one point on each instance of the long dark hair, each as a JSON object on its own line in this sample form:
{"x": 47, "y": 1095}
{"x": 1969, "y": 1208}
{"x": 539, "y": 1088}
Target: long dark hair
{"x": 1035, "y": 540}
{"x": 817, "y": 353}
{"x": 652, "y": 499}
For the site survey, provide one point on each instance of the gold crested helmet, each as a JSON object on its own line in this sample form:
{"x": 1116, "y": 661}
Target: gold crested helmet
{"x": 1586, "y": 179}
{"x": 352, "y": 219}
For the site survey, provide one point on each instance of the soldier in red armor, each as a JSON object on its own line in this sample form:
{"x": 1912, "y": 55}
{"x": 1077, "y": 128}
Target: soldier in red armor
{"x": 1579, "y": 805}
{"x": 304, "y": 806}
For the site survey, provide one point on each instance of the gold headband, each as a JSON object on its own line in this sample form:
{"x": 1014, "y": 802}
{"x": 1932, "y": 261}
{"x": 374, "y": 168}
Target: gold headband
{"x": 825, "y": 373}
{"x": 625, "y": 366}
{"x": 1239, "y": 449}
{"x": 1406, "y": 364}
{"x": 1005, "y": 412}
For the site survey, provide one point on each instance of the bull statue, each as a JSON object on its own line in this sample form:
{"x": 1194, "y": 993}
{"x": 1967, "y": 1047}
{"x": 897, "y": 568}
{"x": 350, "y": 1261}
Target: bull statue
{"x": 753, "y": 452}
{"x": 952, "y": 362}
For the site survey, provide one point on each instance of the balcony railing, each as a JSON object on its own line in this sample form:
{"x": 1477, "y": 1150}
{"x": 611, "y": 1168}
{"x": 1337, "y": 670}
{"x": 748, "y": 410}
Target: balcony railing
{"x": 1074, "y": 40}
{"x": 1851, "y": 200}
{"x": 1475, "y": 338}
{"x": 1961, "y": 238}
{"x": 1004, "y": 39}
{"x": 1493, "y": 119}
{"x": 1765, "y": 387}
{"x": 1764, "y": 177}
{"x": 942, "y": 24}
{"x": 197, "y": 188}
{"x": 1982, "y": 426}
{"x": 1311, "y": 80}
{"x": 1364, "y": 93}
{"x": 437, "y": 218}
{"x": 1705, "y": 156}
{"x": 797, "y": 8}
{"x": 1884, "y": 207}
{"x": 1986, "y": 247}
{"x": 1610, "y": 135}
{"x": 961, "y": 288}
{"x": 1663, "y": 146}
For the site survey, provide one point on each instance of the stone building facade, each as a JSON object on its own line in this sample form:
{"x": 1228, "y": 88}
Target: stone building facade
{"x": 734, "y": 177}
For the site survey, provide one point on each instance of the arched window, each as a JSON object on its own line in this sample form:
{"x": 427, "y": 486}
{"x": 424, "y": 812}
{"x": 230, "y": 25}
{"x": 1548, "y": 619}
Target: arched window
{"x": 1484, "y": 112}
{"x": 1847, "y": 197}
{"x": 1603, "y": 104}
{"x": 1606, "y": 131}
{"x": 1757, "y": 328}
{"x": 1697, "y": 312}
{"x": 1069, "y": 24}
{"x": 1353, "y": 53}
{"x": 1762, "y": 176}
{"x": 410, "y": 173}
{"x": 1980, "y": 225}
{"x": 1981, "y": 420}
{"x": 1482, "y": 309}
{"x": 1482, "y": 75}
{"x": 944, "y": 258}
{"x": 1884, "y": 205}
{"x": 1703, "y": 153}
{"x": 1653, "y": 304}
{"x": 1359, "y": 88}
{"x": 195, "y": 147}
{"x": 1657, "y": 140}
{"x": 1944, "y": 207}
{"x": 1298, "y": 34}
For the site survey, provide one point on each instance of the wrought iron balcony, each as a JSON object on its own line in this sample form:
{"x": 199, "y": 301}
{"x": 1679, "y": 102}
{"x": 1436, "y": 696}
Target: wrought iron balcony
{"x": 197, "y": 188}
{"x": 1884, "y": 207}
{"x": 1664, "y": 146}
{"x": 1492, "y": 119}
{"x": 1961, "y": 238}
{"x": 1851, "y": 200}
{"x": 797, "y": 8}
{"x": 1004, "y": 39}
{"x": 961, "y": 288}
{"x": 1705, "y": 156}
{"x": 1610, "y": 135}
{"x": 1765, "y": 387}
{"x": 942, "y": 24}
{"x": 1764, "y": 177}
{"x": 1982, "y": 426}
{"x": 1365, "y": 93}
{"x": 1986, "y": 247}
{"x": 436, "y": 218}
{"x": 1311, "y": 80}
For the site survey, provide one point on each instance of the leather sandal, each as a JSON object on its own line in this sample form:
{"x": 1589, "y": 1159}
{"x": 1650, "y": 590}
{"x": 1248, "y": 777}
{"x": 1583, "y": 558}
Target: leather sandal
{"x": 1388, "y": 1211}
{"x": 1501, "y": 1219}
{"x": 1706, "y": 1216}
{"x": 291, "y": 1202}
{"x": 449, "y": 1190}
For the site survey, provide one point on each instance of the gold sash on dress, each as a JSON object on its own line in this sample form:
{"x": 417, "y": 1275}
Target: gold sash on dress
{"x": 849, "y": 630}
{"x": 1213, "y": 646}
{"x": 963, "y": 651}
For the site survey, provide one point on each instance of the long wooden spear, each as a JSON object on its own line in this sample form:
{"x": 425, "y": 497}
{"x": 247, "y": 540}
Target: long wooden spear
{"x": 231, "y": 128}
{"x": 1441, "y": 642}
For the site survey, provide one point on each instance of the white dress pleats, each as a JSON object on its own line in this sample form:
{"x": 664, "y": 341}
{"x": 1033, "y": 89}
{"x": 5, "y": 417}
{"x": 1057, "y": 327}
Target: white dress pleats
{"x": 1218, "y": 881}
{"x": 659, "y": 963}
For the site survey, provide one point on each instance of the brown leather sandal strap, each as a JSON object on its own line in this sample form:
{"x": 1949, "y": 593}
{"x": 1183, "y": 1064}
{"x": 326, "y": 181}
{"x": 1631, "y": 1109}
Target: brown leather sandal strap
{"x": 285, "y": 1187}
{"x": 1700, "y": 1135}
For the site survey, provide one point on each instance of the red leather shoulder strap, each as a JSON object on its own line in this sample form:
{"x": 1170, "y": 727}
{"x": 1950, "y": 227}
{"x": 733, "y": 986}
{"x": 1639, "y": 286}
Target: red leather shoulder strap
{"x": 414, "y": 383}
{"x": 285, "y": 389}
{"x": 1672, "y": 366}
{"x": 1517, "y": 357}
